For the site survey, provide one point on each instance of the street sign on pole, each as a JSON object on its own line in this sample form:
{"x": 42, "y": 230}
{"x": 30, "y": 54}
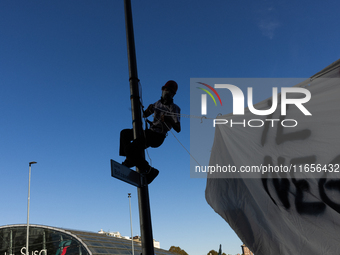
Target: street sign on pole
{"x": 125, "y": 174}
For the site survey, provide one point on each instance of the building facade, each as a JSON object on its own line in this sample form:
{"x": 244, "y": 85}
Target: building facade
{"x": 245, "y": 250}
{"x": 44, "y": 240}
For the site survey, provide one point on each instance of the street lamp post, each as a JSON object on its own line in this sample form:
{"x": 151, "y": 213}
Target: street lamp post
{"x": 28, "y": 205}
{"x": 133, "y": 250}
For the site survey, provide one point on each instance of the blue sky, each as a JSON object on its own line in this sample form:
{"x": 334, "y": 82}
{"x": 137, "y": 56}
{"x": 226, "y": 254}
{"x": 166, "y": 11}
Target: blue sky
{"x": 64, "y": 97}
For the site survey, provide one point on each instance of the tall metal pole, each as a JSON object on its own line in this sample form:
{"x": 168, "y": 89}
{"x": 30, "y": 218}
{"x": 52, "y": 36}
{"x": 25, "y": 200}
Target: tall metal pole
{"x": 133, "y": 250}
{"x": 28, "y": 205}
{"x": 143, "y": 192}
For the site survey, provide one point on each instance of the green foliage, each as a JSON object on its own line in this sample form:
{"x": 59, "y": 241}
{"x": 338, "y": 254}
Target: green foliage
{"x": 177, "y": 250}
{"x": 212, "y": 252}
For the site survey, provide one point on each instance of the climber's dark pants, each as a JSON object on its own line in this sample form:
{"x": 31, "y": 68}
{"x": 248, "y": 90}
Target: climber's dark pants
{"x": 130, "y": 147}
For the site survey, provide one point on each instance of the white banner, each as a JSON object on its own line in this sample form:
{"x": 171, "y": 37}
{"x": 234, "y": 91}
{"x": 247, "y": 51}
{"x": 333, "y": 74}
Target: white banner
{"x": 283, "y": 196}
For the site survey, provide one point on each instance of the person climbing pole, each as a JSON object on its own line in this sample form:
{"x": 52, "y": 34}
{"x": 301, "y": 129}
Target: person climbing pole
{"x": 166, "y": 116}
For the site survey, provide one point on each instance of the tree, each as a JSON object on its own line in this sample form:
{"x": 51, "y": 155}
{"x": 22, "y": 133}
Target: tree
{"x": 212, "y": 252}
{"x": 177, "y": 250}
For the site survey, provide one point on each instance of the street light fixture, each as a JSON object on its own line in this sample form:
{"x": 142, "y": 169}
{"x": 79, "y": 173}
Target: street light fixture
{"x": 28, "y": 204}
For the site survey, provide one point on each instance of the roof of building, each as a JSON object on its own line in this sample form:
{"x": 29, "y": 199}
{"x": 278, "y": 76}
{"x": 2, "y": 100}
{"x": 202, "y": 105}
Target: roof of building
{"x": 93, "y": 243}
